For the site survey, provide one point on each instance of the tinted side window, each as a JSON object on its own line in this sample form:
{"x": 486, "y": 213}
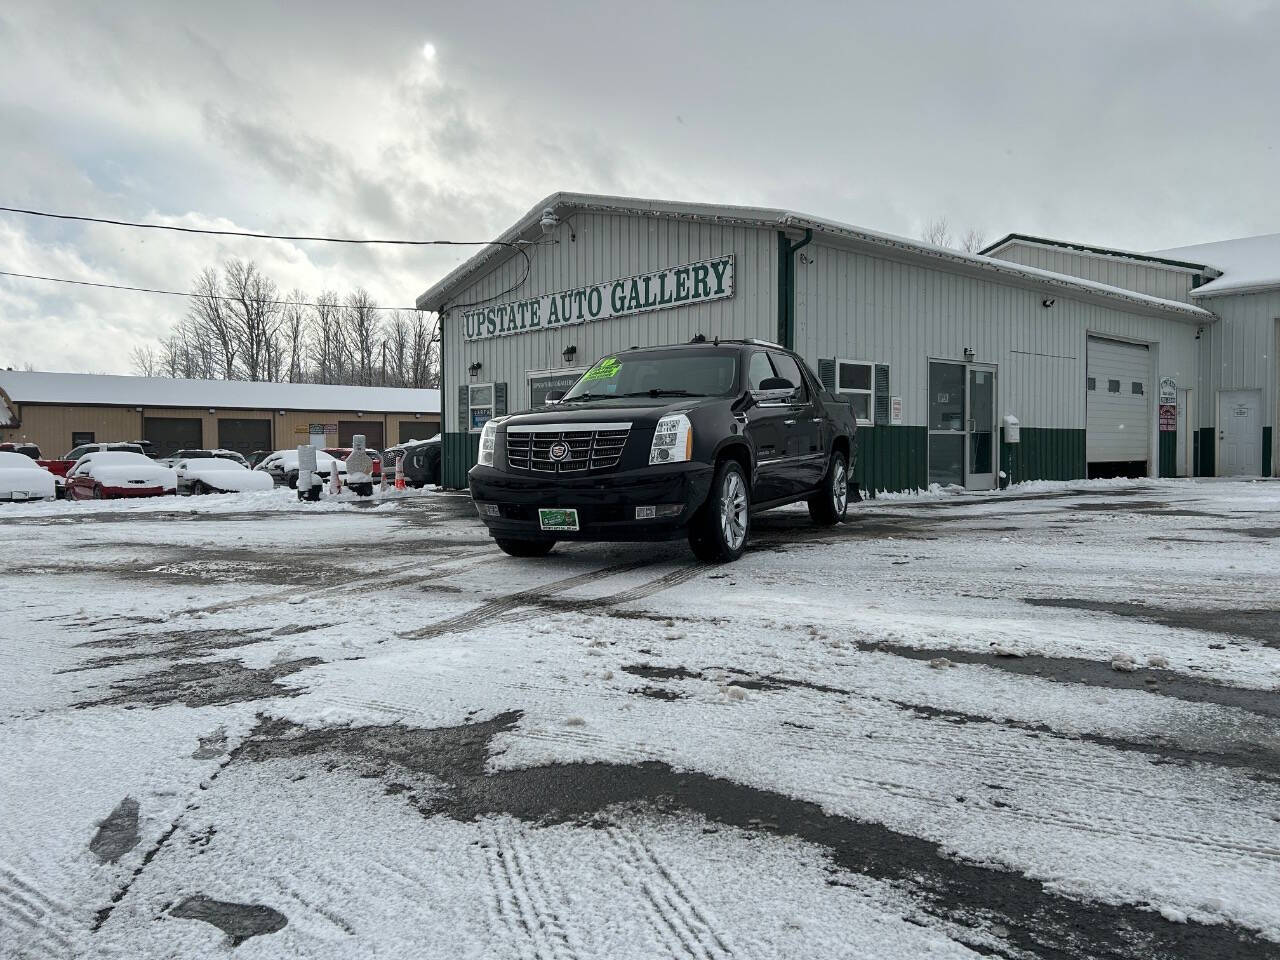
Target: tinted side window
{"x": 759, "y": 369}
{"x": 787, "y": 369}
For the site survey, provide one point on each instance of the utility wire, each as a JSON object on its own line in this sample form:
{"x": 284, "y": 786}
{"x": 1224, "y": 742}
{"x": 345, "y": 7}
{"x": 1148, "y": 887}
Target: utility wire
{"x": 177, "y": 293}
{"x": 517, "y": 244}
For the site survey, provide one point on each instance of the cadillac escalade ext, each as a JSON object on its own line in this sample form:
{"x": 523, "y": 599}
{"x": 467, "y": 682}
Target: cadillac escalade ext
{"x": 667, "y": 442}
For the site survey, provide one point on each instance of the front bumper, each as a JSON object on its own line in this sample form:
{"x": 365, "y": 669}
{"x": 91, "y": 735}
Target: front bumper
{"x": 114, "y": 493}
{"x": 605, "y": 502}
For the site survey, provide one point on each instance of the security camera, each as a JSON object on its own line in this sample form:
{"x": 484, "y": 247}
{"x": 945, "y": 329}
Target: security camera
{"x": 1048, "y": 302}
{"x": 549, "y": 221}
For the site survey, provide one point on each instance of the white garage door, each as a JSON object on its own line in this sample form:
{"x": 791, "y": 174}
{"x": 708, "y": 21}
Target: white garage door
{"x": 1118, "y": 404}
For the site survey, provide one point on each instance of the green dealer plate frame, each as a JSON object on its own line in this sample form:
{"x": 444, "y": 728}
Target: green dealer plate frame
{"x": 557, "y": 519}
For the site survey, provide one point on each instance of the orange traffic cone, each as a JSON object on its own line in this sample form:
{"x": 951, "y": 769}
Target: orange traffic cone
{"x": 399, "y": 473}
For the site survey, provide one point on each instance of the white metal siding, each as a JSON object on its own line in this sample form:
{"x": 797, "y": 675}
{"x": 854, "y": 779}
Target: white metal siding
{"x": 1170, "y": 283}
{"x": 862, "y": 307}
{"x": 1118, "y": 426}
{"x": 609, "y": 247}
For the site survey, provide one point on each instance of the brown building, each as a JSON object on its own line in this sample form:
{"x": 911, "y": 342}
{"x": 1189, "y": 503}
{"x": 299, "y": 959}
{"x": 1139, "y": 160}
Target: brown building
{"x": 59, "y": 411}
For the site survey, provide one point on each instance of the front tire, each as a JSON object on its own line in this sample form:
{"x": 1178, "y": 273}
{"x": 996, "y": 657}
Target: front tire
{"x": 98, "y": 494}
{"x": 199, "y": 489}
{"x": 718, "y": 532}
{"x": 524, "y": 548}
{"x": 829, "y": 505}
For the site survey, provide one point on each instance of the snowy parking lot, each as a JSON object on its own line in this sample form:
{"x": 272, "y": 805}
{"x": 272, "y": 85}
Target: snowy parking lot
{"x": 1031, "y": 724}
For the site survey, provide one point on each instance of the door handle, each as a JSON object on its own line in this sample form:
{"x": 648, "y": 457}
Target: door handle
{"x": 789, "y": 423}
{"x": 816, "y": 420}
{"x": 973, "y": 426}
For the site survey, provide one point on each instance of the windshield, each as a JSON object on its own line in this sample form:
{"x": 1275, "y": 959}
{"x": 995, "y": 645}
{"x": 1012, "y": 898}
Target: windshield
{"x": 697, "y": 372}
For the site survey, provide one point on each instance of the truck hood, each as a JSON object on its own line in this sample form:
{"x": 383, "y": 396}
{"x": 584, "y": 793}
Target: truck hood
{"x": 638, "y": 411}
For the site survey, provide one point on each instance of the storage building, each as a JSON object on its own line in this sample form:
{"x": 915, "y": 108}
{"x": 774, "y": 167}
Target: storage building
{"x": 933, "y": 347}
{"x": 59, "y": 411}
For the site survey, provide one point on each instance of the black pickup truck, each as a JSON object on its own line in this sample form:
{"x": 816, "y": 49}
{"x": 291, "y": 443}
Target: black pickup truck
{"x": 667, "y": 442}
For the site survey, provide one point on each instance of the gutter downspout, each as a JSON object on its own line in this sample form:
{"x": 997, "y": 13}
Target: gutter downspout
{"x": 787, "y": 286}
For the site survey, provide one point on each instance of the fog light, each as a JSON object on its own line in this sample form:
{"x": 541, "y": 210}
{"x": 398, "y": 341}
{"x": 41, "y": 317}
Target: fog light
{"x": 645, "y": 513}
{"x": 670, "y": 510}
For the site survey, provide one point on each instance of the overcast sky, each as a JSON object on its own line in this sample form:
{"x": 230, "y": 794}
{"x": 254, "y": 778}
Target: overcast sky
{"x": 1134, "y": 124}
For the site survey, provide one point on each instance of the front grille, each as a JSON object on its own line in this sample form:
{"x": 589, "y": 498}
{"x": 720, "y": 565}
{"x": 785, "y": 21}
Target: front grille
{"x": 586, "y": 450}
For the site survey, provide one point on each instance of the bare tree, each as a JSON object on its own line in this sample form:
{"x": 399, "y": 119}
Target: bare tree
{"x": 326, "y": 338}
{"x": 974, "y": 240}
{"x": 937, "y": 232}
{"x": 255, "y": 313}
{"x": 293, "y": 329}
{"x": 145, "y": 361}
{"x": 213, "y": 324}
{"x": 396, "y": 350}
{"x": 364, "y": 330}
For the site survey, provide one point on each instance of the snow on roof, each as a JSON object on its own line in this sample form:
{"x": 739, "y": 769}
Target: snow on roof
{"x": 1247, "y": 264}
{"x": 96, "y": 389}
{"x": 885, "y": 244}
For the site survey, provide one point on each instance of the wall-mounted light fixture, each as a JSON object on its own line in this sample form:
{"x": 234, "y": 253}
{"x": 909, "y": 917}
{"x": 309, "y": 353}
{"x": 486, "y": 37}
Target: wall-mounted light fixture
{"x": 474, "y": 369}
{"x": 359, "y": 414}
{"x": 138, "y": 409}
{"x": 1048, "y": 302}
{"x": 968, "y": 353}
{"x": 569, "y": 353}
{"x": 282, "y": 413}
{"x": 212, "y": 410}
{"x": 417, "y": 416}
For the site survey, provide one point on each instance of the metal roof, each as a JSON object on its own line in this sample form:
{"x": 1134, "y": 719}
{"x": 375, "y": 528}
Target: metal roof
{"x": 528, "y": 229}
{"x": 89, "y": 389}
{"x": 1152, "y": 258}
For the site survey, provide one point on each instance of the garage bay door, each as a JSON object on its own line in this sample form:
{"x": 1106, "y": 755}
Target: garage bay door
{"x": 244, "y": 436}
{"x": 1118, "y": 408}
{"x": 372, "y": 430}
{"x": 168, "y": 435}
{"x": 417, "y": 430}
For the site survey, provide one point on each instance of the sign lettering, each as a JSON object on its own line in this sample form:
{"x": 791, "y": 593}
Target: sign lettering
{"x": 698, "y": 282}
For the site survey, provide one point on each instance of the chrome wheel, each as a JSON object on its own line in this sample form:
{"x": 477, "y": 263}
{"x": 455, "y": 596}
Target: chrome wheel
{"x": 733, "y": 510}
{"x": 839, "y": 487}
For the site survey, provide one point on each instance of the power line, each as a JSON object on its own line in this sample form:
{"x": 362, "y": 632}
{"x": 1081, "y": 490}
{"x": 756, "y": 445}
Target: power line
{"x": 515, "y": 244}
{"x": 177, "y": 293}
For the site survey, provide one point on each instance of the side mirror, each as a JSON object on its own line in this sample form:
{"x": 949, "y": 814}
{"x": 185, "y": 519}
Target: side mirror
{"x": 774, "y": 390}
{"x": 555, "y": 396}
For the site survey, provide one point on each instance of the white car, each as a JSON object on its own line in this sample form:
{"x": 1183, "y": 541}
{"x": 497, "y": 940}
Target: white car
{"x": 282, "y": 467}
{"x": 22, "y": 479}
{"x": 110, "y": 474}
{"x": 216, "y": 475}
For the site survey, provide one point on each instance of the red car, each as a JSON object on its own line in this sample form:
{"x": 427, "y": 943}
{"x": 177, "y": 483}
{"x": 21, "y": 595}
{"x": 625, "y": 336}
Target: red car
{"x": 341, "y": 453}
{"x": 60, "y": 468}
{"x": 110, "y": 474}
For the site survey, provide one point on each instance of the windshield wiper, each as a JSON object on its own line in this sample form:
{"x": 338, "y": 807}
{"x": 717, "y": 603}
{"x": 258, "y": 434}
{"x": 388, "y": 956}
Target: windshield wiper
{"x": 586, "y": 396}
{"x": 662, "y": 393}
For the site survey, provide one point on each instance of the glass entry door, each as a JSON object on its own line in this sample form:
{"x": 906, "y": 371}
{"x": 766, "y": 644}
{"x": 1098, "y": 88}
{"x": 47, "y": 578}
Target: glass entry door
{"x": 983, "y": 462}
{"x": 962, "y": 425}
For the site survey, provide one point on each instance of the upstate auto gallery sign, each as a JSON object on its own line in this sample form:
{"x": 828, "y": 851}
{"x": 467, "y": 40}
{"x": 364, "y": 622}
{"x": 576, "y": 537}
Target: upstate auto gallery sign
{"x": 698, "y": 282}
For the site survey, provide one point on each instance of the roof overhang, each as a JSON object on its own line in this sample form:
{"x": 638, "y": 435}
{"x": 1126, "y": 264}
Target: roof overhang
{"x": 528, "y": 230}
{"x": 1105, "y": 253}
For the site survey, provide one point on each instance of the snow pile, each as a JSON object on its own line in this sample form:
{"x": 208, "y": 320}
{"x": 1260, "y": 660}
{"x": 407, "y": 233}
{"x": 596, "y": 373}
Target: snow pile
{"x": 1248, "y": 263}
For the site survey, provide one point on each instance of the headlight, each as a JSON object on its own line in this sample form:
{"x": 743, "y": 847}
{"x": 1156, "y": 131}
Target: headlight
{"x": 488, "y": 443}
{"x": 672, "y": 440}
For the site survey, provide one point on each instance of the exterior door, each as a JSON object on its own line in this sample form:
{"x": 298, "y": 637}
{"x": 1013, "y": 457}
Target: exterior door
{"x": 982, "y": 449}
{"x": 806, "y": 455}
{"x": 1240, "y": 433}
{"x": 766, "y": 430}
{"x": 946, "y": 423}
{"x": 1184, "y": 434}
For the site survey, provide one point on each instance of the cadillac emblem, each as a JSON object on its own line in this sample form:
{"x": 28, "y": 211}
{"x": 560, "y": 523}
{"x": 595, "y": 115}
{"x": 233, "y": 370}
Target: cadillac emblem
{"x": 559, "y": 451}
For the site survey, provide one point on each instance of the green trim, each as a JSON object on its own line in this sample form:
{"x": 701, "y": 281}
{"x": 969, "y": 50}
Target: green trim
{"x": 1204, "y": 450}
{"x": 1168, "y": 453}
{"x": 787, "y": 287}
{"x": 1044, "y": 453}
{"x": 890, "y": 459}
{"x": 458, "y": 454}
{"x": 1266, "y": 451}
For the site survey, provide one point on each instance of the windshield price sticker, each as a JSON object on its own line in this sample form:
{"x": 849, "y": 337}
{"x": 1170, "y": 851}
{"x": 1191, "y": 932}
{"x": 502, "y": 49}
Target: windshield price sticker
{"x": 606, "y": 369}
{"x": 698, "y": 282}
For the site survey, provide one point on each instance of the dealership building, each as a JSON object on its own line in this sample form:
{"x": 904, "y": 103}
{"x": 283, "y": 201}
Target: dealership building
{"x": 1109, "y": 362}
{"x": 60, "y": 411}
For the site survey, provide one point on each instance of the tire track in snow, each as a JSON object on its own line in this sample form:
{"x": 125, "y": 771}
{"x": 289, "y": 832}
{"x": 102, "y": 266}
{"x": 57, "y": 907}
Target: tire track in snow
{"x": 533, "y": 596}
{"x": 521, "y": 894}
{"x": 35, "y": 917}
{"x": 670, "y": 905}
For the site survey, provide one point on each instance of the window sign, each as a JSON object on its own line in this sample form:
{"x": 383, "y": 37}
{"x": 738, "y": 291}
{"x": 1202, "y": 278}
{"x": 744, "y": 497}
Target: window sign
{"x": 1168, "y": 390}
{"x": 479, "y": 405}
{"x": 542, "y": 384}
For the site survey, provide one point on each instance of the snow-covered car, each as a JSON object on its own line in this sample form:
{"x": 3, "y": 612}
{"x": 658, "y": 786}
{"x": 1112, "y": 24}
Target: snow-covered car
{"x": 282, "y": 467}
{"x": 22, "y": 479}
{"x": 109, "y": 474}
{"x": 218, "y": 475}
{"x": 218, "y": 454}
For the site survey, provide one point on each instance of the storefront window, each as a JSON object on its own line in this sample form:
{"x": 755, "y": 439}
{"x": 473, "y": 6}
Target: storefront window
{"x": 479, "y": 405}
{"x": 855, "y": 382}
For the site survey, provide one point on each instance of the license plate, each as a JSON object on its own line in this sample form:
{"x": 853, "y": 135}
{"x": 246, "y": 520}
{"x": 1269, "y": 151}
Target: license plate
{"x": 558, "y": 519}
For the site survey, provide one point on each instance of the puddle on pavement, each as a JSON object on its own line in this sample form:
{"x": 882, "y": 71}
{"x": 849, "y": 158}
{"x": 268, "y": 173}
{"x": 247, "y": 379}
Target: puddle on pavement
{"x": 118, "y": 833}
{"x": 971, "y": 897}
{"x": 239, "y": 921}
{"x": 1254, "y": 624}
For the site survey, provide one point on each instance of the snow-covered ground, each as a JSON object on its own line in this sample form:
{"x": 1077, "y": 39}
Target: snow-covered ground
{"x": 1039, "y": 723}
